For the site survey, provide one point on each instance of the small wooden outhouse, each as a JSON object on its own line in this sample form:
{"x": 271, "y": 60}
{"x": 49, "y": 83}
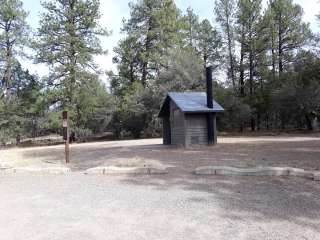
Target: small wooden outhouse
{"x": 189, "y": 118}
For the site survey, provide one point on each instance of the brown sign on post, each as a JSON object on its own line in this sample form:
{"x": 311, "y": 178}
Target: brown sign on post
{"x": 65, "y": 129}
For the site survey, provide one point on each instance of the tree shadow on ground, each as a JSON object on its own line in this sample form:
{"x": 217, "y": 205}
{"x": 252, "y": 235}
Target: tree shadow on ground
{"x": 254, "y": 199}
{"x": 259, "y": 199}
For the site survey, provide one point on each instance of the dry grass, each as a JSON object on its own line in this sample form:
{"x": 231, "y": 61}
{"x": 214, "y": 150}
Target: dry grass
{"x": 294, "y": 151}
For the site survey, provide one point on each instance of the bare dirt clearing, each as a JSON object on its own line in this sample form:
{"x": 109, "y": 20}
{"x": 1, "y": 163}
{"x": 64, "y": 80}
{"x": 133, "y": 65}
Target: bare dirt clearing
{"x": 280, "y": 151}
{"x": 178, "y": 205}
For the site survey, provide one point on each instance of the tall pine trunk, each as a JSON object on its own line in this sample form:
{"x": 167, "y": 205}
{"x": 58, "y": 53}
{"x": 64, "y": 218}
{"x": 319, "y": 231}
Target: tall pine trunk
{"x": 280, "y": 42}
{"x": 8, "y": 62}
{"x": 273, "y": 56}
{"x": 72, "y": 57}
{"x": 241, "y": 79}
{"x": 147, "y": 54}
{"x": 231, "y": 60}
{"x": 251, "y": 69}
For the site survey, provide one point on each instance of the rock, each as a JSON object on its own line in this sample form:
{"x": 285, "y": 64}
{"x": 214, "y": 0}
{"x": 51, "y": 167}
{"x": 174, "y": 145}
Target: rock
{"x": 4, "y": 165}
{"x": 126, "y": 170}
{"x": 316, "y": 176}
{"x": 225, "y": 170}
{"x": 272, "y": 171}
{"x": 95, "y": 170}
{"x": 39, "y": 170}
{"x": 259, "y": 171}
{"x": 158, "y": 170}
{"x": 206, "y": 170}
{"x": 298, "y": 172}
{"x": 235, "y": 171}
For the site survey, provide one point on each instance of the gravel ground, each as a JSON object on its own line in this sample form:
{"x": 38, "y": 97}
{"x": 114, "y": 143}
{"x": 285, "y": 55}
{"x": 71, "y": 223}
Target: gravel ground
{"x": 83, "y": 207}
{"x": 176, "y": 206}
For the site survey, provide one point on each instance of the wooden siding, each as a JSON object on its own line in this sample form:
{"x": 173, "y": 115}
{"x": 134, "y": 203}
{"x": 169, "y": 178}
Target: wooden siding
{"x": 196, "y": 129}
{"x": 177, "y": 123}
{"x": 186, "y": 129}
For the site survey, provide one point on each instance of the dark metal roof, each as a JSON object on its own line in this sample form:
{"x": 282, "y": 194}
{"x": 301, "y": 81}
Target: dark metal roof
{"x": 190, "y": 102}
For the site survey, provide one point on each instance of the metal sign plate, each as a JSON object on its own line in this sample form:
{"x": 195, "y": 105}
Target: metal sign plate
{"x": 65, "y": 123}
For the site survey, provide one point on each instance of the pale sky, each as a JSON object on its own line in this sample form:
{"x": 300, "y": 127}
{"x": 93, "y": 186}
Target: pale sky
{"x": 113, "y": 11}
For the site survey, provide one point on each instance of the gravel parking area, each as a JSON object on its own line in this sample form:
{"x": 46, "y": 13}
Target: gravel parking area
{"x": 83, "y": 207}
{"x": 178, "y": 205}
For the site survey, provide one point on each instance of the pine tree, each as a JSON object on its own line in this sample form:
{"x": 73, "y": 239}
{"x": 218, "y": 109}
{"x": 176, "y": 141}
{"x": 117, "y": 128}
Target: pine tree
{"x": 67, "y": 41}
{"x": 224, "y": 11}
{"x": 19, "y": 115}
{"x": 208, "y": 44}
{"x": 154, "y": 24}
{"x": 271, "y": 38}
{"x": 292, "y": 32}
{"x": 128, "y": 62}
{"x": 191, "y": 25}
{"x": 249, "y": 36}
{"x": 185, "y": 72}
{"x": 248, "y": 23}
{"x": 13, "y": 36}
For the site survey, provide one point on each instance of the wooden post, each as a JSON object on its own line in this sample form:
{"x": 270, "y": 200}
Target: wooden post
{"x": 65, "y": 125}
